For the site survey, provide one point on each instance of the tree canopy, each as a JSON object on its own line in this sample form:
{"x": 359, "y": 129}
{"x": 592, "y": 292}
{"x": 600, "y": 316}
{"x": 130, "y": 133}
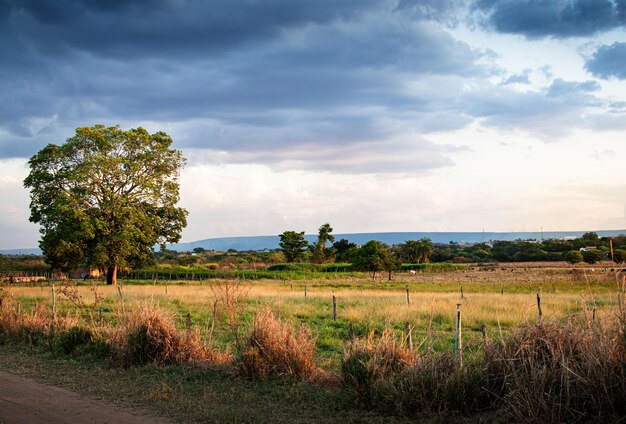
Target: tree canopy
{"x": 106, "y": 197}
{"x": 374, "y": 256}
{"x": 321, "y": 252}
{"x": 293, "y": 245}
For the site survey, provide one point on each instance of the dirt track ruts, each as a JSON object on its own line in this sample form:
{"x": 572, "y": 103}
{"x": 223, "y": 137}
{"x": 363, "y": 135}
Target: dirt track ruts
{"x": 23, "y": 400}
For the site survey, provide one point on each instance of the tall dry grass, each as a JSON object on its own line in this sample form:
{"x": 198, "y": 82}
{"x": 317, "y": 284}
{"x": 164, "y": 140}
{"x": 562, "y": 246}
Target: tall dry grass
{"x": 552, "y": 372}
{"x": 277, "y": 348}
{"x": 148, "y": 335}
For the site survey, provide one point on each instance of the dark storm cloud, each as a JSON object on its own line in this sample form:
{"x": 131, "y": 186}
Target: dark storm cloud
{"x": 558, "y": 18}
{"x": 608, "y": 62}
{"x": 258, "y": 80}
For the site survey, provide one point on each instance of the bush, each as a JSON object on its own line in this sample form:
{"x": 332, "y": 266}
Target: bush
{"x": 559, "y": 373}
{"x": 275, "y": 348}
{"x": 370, "y": 361}
{"x": 151, "y": 337}
{"x": 76, "y": 337}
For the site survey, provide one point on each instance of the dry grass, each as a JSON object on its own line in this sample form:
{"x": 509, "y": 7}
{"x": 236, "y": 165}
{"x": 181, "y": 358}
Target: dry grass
{"x": 276, "y": 348}
{"x": 149, "y": 336}
{"x": 553, "y": 372}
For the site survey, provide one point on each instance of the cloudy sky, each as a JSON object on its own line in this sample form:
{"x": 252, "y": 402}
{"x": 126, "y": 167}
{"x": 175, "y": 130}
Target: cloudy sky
{"x": 373, "y": 115}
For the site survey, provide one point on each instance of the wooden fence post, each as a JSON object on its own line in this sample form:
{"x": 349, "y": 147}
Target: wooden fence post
{"x": 54, "y": 306}
{"x": 458, "y": 342}
{"x": 350, "y": 331}
{"x": 408, "y": 299}
{"x": 119, "y": 291}
{"x": 539, "y": 315}
{"x": 305, "y": 289}
{"x": 408, "y": 335}
{"x": 334, "y": 308}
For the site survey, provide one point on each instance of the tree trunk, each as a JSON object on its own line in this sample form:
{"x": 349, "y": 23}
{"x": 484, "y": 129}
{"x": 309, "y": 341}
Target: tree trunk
{"x": 112, "y": 275}
{"x": 390, "y": 275}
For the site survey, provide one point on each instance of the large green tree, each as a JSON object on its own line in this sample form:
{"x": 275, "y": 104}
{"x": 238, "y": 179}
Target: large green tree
{"x": 106, "y": 197}
{"x": 293, "y": 245}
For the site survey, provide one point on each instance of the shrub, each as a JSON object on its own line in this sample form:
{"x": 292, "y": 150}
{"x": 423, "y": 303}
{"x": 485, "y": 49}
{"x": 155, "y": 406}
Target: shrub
{"x": 150, "y": 337}
{"x": 557, "y": 372}
{"x": 76, "y": 337}
{"x": 275, "y": 348}
{"x": 370, "y": 361}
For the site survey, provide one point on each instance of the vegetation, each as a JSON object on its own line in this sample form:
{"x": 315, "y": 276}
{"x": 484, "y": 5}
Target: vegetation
{"x": 270, "y": 329}
{"x": 374, "y": 257}
{"x": 293, "y": 245}
{"x": 321, "y": 252}
{"x": 105, "y": 197}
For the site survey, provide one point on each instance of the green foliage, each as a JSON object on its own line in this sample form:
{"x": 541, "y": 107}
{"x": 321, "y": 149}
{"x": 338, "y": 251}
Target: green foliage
{"x": 342, "y": 247}
{"x": 293, "y": 245}
{"x": 415, "y": 251}
{"x": 619, "y": 255}
{"x": 374, "y": 256}
{"x": 592, "y": 256}
{"x": 105, "y": 197}
{"x": 573, "y": 256}
{"x": 321, "y": 252}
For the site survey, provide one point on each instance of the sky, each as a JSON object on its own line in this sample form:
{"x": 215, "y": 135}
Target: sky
{"x": 372, "y": 115}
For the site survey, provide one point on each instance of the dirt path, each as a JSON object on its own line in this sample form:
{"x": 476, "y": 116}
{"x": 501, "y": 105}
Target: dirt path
{"x": 23, "y": 400}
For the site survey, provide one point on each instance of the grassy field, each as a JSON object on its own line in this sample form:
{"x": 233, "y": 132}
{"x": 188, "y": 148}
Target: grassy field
{"x": 498, "y": 298}
{"x": 274, "y": 344}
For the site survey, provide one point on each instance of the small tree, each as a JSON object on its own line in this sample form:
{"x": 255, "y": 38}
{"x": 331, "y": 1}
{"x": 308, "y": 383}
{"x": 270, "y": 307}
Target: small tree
{"x": 573, "y": 256}
{"x": 105, "y": 198}
{"x": 342, "y": 247}
{"x": 592, "y": 256}
{"x": 293, "y": 245}
{"x": 374, "y": 257}
{"x": 321, "y": 252}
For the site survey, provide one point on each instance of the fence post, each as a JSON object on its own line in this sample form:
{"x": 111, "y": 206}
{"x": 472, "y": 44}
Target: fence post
{"x": 334, "y": 308}
{"x": 539, "y": 315}
{"x": 350, "y": 331}
{"x": 54, "y": 306}
{"x": 119, "y": 291}
{"x": 408, "y": 335}
{"x": 458, "y": 343}
{"x": 408, "y": 299}
{"x": 305, "y": 289}
{"x": 461, "y": 292}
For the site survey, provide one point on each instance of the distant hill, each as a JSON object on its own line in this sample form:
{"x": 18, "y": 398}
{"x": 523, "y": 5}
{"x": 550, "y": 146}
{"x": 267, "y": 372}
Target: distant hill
{"x": 271, "y": 242}
{"x": 30, "y": 251}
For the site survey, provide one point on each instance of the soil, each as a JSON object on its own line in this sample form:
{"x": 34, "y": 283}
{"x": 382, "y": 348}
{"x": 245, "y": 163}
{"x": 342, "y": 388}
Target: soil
{"x": 23, "y": 400}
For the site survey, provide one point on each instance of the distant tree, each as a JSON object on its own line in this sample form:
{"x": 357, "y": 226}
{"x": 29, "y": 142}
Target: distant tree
{"x": 321, "y": 252}
{"x": 198, "y": 250}
{"x": 408, "y": 251}
{"x": 293, "y": 245}
{"x": 573, "y": 256}
{"x": 619, "y": 255}
{"x": 341, "y": 249}
{"x": 424, "y": 249}
{"x": 375, "y": 257}
{"x": 592, "y": 256}
{"x": 105, "y": 198}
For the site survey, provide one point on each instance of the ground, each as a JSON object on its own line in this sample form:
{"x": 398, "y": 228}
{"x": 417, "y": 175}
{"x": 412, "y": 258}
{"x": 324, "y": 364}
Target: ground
{"x": 24, "y": 400}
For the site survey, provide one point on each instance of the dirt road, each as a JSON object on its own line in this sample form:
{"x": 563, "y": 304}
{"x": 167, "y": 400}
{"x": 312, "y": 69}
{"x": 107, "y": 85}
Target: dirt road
{"x": 23, "y": 400}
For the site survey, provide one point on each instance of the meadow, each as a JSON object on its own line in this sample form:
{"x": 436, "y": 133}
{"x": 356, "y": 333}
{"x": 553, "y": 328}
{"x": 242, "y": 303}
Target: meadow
{"x": 496, "y": 298}
{"x": 545, "y": 341}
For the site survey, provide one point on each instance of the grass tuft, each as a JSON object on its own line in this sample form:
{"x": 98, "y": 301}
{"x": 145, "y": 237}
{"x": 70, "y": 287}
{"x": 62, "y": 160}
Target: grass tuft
{"x": 275, "y": 348}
